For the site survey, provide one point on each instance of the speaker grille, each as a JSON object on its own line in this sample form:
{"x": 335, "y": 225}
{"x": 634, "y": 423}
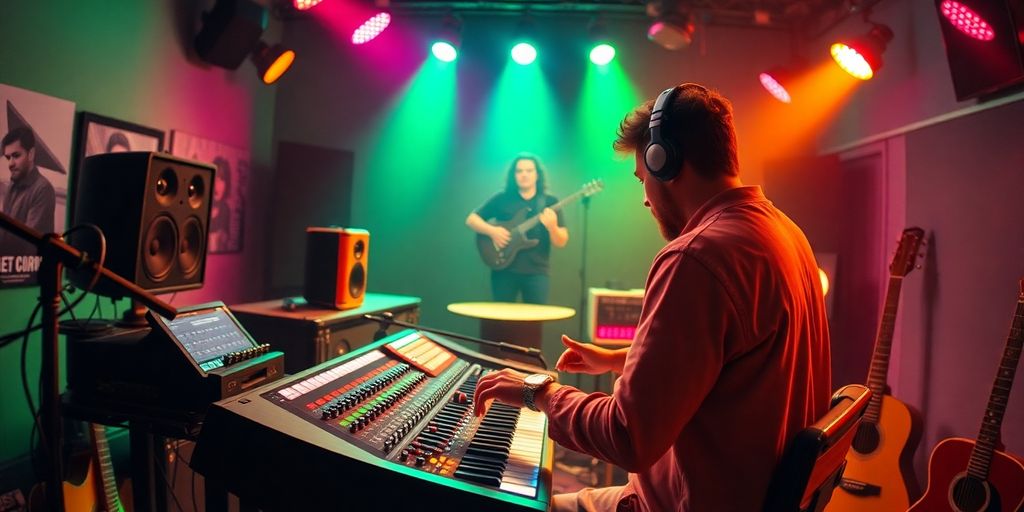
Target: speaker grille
{"x": 159, "y": 246}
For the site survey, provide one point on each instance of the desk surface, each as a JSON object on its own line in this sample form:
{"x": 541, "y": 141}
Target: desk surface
{"x": 373, "y": 303}
{"x": 511, "y": 311}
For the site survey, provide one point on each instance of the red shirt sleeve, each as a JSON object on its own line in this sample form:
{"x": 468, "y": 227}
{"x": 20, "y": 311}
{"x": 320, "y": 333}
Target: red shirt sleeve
{"x": 675, "y": 358}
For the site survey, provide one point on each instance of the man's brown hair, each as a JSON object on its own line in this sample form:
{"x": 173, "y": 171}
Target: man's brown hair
{"x": 699, "y": 123}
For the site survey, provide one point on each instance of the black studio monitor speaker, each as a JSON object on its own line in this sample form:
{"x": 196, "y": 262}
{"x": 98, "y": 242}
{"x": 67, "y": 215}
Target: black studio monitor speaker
{"x": 984, "y": 42}
{"x": 154, "y": 210}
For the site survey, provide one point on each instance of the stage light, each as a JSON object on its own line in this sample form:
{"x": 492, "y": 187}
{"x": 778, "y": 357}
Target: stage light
{"x": 966, "y": 20}
{"x": 524, "y": 53}
{"x": 861, "y": 57}
{"x": 671, "y": 31}
{"x": 371, "y": 28}
{"x": 446, "y": 45}
{"x": 231, "y": 32}
{"x": 272, "y": 61}
{"x": 824, "y": 281}
{"x": 602, "y": 52}
{"x": 774, "y": 81}
{"x": 303, "y": 5}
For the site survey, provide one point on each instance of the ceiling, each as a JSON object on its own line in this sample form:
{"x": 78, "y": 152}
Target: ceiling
{"x": 807, "y": 17}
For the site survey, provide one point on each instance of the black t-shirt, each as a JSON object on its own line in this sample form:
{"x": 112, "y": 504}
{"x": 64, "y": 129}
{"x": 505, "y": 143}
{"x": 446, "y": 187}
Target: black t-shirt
{"x": 503, "y": 207}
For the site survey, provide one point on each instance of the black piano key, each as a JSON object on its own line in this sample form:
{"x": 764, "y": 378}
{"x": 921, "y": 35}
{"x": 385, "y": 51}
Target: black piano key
{"x": 478, "y": 478}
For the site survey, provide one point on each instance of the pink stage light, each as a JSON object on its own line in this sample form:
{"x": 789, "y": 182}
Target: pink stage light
{"x": 371, "y": 28}
{"x": 967, "y": 21}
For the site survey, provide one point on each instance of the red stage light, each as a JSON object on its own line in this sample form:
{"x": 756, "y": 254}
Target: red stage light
{"x": 302, "y": 5}
{"x": 967, "y": 21}
{"x": 371, "y": 28}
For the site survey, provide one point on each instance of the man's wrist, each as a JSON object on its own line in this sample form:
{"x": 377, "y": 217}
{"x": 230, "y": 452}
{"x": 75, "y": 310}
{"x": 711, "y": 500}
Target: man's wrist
{"x": 542, "y": 398}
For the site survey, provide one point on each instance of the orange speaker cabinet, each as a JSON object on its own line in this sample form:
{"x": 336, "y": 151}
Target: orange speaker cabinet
{"x": 336, "y": 265}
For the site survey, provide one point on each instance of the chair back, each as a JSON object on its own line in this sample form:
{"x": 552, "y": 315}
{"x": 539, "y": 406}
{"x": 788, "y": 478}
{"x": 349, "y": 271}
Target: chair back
{"x": 813, "y": 464}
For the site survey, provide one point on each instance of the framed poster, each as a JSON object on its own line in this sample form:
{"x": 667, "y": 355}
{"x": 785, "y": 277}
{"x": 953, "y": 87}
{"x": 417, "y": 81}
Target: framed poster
{"x": 99, "y": 134}
{"x": 230, "y": 186}
{"x": 36, "y": 146}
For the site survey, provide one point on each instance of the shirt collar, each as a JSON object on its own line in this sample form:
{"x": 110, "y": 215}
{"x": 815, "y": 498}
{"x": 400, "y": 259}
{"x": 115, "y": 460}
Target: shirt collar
{"x": 722, "y": 200}
{"x": 30, "y": 178}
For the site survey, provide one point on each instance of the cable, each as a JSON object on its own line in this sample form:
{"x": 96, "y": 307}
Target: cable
{"x": 167, "y": 482}
{"x": 24, "y": 383}
{"x": 8, "y": 338}
{"x": 103, "y": 251}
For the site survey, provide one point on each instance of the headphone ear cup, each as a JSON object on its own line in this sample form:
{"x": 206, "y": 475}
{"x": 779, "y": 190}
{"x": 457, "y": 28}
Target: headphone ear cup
{"x": 662, "y": 161}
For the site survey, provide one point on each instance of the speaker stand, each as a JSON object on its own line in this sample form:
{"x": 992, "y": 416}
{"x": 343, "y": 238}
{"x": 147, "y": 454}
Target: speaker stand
{"x": 134, "y": 316}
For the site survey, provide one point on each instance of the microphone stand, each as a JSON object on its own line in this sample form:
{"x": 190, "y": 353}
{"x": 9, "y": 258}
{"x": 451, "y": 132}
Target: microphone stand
{"x": 387, "y": 319}
{"x": 583, "y": 275}
{"x": 56, "y": 255}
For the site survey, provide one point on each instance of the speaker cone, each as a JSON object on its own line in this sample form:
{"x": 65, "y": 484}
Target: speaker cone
{"x": 357, "y": 280}
{"x": 196, "y": 191}
{"x": 166, "y": 186}
{"x": 160, "y": 243}
{"x": 358, "y": 249}
{"x": 190, "y": 248}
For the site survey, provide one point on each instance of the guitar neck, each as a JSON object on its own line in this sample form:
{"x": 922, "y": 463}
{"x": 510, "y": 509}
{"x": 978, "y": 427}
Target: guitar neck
{"x": 109, "y": 482}
{"x": 988, "y": 437}
{"x": 528, "y": 224}
{"x": 878, "y": 375}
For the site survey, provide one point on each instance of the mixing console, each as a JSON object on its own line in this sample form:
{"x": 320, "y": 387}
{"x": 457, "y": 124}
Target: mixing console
{"x": 395, "y": 416}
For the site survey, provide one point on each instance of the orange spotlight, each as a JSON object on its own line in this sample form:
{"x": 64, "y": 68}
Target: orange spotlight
{"x": 861, "y": 57}
{"x": 824, "y": 281}
{"x": 272, "y": 61}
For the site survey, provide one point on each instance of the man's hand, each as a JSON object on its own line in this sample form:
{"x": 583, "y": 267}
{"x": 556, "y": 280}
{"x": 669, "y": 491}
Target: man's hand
{"x": 586, "y": 358}
{"x": 505, "y": 385}
{"x": 548, "y": 218}
{"x": 500, "y": 236}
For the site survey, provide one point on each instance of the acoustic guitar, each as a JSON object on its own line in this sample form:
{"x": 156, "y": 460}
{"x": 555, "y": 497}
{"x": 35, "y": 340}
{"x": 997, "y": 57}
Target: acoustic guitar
{"x": 500, "y": 258}
{"x": 879, "y": 472}
{"x": 97, "y": 491}
{"x": 965, "y": 475}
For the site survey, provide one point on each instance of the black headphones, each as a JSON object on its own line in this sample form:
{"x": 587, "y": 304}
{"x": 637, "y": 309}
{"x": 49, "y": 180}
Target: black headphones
{"x": 662, "y": 158}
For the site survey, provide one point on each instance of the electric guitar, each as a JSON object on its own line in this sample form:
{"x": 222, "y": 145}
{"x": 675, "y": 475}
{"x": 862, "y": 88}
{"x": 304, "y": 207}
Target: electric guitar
{"x": 879, "y": 474}
{"x": 98, "y": 489}
{"x": 499, "y": 258}
{"x": 972, "y": 476}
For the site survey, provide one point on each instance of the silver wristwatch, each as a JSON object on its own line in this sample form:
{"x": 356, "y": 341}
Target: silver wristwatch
{"x": 531, "y": 384}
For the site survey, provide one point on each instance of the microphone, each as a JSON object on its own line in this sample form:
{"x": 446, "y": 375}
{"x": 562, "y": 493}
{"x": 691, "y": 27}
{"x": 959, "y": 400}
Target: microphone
{"x": 387, "y": 319}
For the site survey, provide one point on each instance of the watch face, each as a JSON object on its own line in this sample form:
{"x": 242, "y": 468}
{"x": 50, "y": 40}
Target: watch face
{"x": 537, "y": 379}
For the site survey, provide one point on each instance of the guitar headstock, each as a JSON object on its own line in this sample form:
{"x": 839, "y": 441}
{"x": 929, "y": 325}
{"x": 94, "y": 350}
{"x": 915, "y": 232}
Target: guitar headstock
{"x": 907, "y": 252}
{"x": 592, "y": 187}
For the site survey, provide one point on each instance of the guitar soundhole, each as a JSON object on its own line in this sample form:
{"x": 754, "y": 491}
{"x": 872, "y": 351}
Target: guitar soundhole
{"x": 867, "y": 438}
{"x": 968, "y": 494}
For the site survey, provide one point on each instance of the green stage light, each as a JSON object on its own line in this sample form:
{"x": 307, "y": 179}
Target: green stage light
{"x": 524, "y": 53}
{"x": 602, "y": 54}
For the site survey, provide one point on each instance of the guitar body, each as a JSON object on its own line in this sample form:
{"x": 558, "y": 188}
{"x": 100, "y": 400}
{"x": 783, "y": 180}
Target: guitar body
{"x": 499, "y": 259}
{"x": 1002, "y": 492}
{"x": 80, "y": 495}
{"x": 881, "y": 457}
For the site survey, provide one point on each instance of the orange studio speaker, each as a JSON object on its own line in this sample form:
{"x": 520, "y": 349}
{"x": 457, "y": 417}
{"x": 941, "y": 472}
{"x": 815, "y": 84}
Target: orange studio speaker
{"x": 336, "y": 265}
{"x": 154, "y": 210}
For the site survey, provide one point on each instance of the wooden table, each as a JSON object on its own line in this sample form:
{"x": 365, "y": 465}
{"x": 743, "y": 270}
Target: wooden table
{"x": 511, "y": 322}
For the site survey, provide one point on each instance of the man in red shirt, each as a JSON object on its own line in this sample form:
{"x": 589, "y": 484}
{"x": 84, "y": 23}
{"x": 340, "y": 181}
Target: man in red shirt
{"x": 731, "y": 354}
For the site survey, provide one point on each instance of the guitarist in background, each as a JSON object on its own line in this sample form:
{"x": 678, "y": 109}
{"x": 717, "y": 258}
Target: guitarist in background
{"x": 528, "y": 273}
